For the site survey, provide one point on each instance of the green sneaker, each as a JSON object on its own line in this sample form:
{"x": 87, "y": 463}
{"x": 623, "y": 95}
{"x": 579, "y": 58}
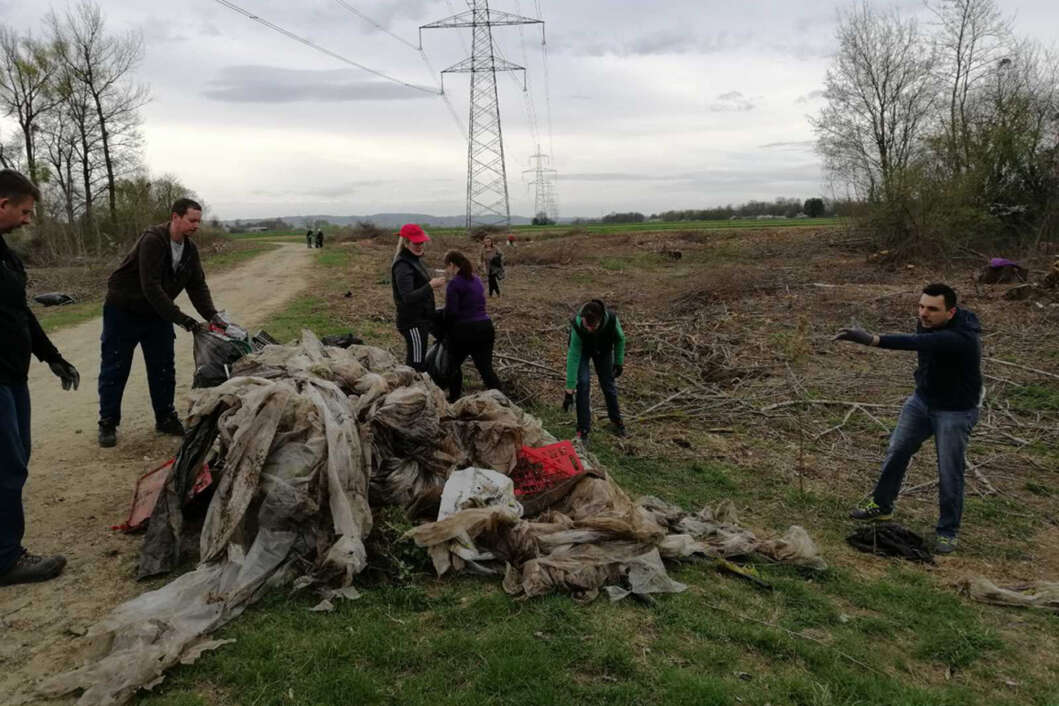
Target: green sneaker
{"x": 945, "y": 545}
{"x": 870, "y": 510}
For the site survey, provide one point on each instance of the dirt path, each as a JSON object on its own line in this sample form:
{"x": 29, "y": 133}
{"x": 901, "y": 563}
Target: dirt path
{"x": 77, "y": 491}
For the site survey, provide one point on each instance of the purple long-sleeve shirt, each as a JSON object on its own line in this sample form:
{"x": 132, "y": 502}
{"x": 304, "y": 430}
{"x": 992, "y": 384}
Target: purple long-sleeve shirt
{"x": 465, "y": 300}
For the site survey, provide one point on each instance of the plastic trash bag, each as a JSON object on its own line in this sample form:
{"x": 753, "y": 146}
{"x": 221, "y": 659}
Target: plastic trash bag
{"x": 53, "y": 299}
{"x": 439, "y": 363}
{"x": 215, "y": 353}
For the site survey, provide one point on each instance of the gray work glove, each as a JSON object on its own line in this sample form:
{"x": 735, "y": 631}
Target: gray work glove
{"x": 66, "y": 372}
{"x": 856, "y": 335}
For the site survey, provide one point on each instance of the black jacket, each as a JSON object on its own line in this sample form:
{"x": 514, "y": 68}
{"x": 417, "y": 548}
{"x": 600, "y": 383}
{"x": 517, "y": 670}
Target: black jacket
{"x": 412, "y": 294}
{"x": 145, "y": 282}
{"x": 20, "y": 332}
{"x": 949, "y": 374}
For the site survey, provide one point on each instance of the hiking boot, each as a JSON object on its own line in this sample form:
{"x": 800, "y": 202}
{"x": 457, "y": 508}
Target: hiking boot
{"x": 945, "y": 545}
{"x": 871, "y": 511}
{"x": 108, "y": 433}
{"x": 170, "y": 425}
{"x": 30, "y": 568}
{"x": 619, "y": 429}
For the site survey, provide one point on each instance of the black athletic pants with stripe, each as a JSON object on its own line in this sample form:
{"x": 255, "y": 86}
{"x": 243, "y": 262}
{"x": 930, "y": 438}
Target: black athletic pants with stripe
{"x": 415, "y": 341}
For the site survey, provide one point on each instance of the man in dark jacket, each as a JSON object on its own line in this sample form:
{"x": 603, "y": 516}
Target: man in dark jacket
{"x": 309, "y": 238}
{"x": 595, "y": 335}
{"x": 22, "y": 335}
{"x": 944, "y": 404}
{"x": 319, "y": 238}
{"x": 139, "y": 310}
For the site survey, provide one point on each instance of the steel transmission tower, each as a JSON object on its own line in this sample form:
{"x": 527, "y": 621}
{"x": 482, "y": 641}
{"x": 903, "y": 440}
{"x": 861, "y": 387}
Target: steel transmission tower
{"x": 487, "y": 200}
{"x": 544, "y": 200}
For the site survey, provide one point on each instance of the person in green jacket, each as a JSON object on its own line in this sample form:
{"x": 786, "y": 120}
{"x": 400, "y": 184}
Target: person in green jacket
{"x": 595, "y": 335}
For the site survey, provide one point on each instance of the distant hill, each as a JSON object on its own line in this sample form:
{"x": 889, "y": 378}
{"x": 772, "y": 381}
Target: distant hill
{"x": 383, "y": 220}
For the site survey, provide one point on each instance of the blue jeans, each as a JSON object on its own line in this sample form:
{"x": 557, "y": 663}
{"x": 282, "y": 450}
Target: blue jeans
{"x": 122, "y": 332}
{"x": 951, "y": 430}
{"x": 604, "y": 363}
{"x": 14, "y": 462}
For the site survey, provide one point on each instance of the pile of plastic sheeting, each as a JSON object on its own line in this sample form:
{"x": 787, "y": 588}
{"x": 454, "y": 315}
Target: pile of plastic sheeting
{"x": 304, "y": 440}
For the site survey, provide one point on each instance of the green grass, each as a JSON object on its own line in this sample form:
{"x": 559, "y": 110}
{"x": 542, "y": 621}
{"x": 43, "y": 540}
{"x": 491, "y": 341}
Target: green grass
{"x": 1035, "y": 398}
{"x": 59, "y": 317}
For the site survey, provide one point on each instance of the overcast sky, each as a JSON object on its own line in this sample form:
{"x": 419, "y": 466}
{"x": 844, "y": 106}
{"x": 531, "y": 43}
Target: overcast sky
{"x": 643, "y": 106}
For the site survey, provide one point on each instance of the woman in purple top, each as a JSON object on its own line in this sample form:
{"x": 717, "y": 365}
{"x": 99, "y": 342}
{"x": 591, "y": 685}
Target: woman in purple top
{"x": 471, "y": 331}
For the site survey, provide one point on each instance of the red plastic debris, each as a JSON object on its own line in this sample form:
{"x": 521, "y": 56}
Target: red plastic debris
{"x": 544, "y": 467}
{"x": 149, "y": 487}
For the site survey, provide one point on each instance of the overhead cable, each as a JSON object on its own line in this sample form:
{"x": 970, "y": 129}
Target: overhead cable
{"x": 422, "y": 55}
{"x": 317, "y": 47}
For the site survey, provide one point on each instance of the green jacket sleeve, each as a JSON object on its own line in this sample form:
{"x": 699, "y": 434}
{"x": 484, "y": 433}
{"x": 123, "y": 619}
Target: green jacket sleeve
{"x": 619, "y": 345}
{"x": 573, "y": 359}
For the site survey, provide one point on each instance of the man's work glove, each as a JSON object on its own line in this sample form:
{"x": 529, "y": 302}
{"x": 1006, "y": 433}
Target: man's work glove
{"x": 191, "y": 326}
{"x": 618, "y": 370}
{"x": 66, "y": 372}
{"x": 856, "y": 335}
{"x": 568, "y": 401}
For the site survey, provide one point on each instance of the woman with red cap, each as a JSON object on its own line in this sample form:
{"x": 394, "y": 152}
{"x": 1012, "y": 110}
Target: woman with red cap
{"x": 413, "y": 293}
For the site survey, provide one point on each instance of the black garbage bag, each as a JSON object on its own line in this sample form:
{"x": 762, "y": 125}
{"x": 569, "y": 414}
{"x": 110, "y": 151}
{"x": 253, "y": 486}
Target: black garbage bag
{"x": 891, "y": 539}
{"x": 439, "y": 363}
{"x": 341, "y": 340}
{"x": 53, "y": 299}
{"x": 214, "y": 355}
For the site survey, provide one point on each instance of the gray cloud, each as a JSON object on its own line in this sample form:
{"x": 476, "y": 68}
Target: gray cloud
{"x": 321, "y": 192}
{"x": 269, "y": 84}
{"x": 808, "y": 172}
{"x": 731, "y": 102}
{"x": 810, "y": 96}
{"x": 790, "y": 146}
{"x": 649, "y": 44}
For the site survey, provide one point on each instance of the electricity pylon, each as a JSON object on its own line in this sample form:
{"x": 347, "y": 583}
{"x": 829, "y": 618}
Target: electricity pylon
{"x": 487, "y": 200}
{"x": 544, "y": 201}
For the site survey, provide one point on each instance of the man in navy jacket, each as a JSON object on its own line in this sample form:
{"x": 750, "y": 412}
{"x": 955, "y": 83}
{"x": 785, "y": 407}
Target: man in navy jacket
{"x": 944, "y": 404}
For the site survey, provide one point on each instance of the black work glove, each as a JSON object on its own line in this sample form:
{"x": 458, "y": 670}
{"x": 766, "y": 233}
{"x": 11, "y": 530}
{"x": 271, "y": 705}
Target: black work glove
{"x": 568, "y": 401}
{"x": 856, "y": 335}
{"x": 191, "y": 326}
{"x": 618, "y": 370}
{"x": 66, "y": 372}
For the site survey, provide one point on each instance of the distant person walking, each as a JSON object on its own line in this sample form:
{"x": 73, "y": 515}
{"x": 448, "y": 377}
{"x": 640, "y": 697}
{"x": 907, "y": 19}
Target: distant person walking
{"x": 319, "y": 238}
{"x": 492, "y": 264}
{"x": 944, "y": 405}
{"x": 139, "y": 311}
{"x": 470, "y": 330}
{"x": 596, "y": 336}
{"x": 22, "y": 336}
{"x": 413, "y": 293}
{"x": 309, "y": 238}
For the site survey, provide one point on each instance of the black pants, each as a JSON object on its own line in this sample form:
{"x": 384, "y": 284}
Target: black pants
{"x": 494, "y": 285}
{"x": 415, "y": 341}
{"x": 122, "y": 332}
{"x": 14, "y": 461}
{"x": 475, "y": 339}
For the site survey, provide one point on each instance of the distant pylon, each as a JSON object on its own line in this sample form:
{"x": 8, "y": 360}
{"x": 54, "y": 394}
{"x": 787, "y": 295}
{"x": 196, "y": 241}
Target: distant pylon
{"x": 487, "y": 200}
{"x": 544, "y": 200}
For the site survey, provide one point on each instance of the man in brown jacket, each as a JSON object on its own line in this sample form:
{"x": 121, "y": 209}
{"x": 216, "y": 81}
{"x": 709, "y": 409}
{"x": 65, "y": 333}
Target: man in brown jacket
{"x": 139, "y": 310}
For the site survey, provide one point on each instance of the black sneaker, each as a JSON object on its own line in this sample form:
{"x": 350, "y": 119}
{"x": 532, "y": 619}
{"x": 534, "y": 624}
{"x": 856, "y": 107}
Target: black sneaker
{"x": 582, "y": 436}
{"x": 30, "y": 568}
{"x": 108, "y": 433}
{"x": 619, "y": 429}
{"x": 871, "y": 511}
{"x": 170, "y": 425}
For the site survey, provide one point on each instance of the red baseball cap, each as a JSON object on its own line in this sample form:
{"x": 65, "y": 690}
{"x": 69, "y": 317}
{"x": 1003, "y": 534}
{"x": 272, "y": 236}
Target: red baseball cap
{"x": 413, "y": 233}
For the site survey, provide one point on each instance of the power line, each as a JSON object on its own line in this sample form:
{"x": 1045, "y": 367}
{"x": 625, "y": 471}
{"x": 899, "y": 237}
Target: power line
{"x": 422, "y": 55}
{"x": 317, "y": 47}
{"x": 547, "y": 88}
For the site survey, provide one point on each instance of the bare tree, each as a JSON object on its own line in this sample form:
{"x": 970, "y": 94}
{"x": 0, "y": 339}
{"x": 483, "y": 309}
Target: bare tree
{"x": 103, "y": 65}
{"x": 26, "y": 67}
{"x": 880, "y": 92}
{"x": 972, "y": 38}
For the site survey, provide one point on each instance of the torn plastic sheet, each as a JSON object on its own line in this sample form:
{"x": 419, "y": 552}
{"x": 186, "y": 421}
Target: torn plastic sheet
{"x": 1038, "y": 594}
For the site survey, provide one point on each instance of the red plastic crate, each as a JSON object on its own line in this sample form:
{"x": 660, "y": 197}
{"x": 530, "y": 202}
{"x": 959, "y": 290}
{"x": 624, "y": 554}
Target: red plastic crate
{"x": 544, "y": 467}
